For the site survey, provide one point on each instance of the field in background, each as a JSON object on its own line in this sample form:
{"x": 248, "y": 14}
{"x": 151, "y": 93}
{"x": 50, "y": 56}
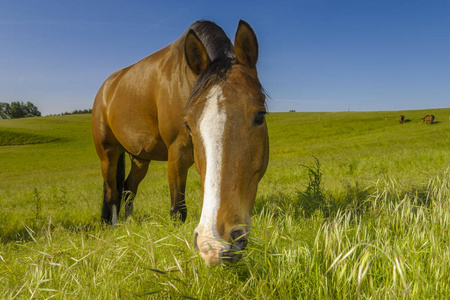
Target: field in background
{"x": 353, "y": 205}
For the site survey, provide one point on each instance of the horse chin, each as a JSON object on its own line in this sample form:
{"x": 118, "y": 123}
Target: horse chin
{"x": 230, "y": 257}
{"x": 224, "y": 257}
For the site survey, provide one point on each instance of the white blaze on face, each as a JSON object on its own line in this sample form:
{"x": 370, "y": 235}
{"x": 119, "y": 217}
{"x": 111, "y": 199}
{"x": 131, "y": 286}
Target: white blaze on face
{"x": 212, "y": 125}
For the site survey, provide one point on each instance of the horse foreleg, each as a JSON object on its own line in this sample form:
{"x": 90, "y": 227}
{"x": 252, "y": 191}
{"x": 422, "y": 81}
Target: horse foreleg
{"x": 138, "y": 171}
{"x": 178, "y": 166}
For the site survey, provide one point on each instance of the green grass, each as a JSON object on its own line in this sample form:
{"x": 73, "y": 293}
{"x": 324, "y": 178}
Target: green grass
{"x": 353, "y": 205}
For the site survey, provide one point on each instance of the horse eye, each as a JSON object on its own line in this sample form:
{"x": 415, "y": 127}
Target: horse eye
{"x": 187, "y": 125}
{"x": 259, "y": 119}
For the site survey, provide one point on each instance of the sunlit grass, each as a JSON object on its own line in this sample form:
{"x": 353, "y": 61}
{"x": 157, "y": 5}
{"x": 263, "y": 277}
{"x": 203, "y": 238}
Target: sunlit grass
{"x": 374, "y": 224}
{"x": 395, "y": 248}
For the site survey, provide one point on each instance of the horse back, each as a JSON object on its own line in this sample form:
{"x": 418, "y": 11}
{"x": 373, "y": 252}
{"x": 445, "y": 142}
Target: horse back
{"x": 142, "y": 106}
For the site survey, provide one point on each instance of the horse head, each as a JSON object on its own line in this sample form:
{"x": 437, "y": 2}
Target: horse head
{"x": 225, "y": 118}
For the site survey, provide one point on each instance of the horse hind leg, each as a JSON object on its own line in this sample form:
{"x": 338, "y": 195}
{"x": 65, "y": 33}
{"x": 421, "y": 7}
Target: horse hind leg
{"x": 113, "y": 170}
{"x": 120, "y": 181}
{"x": 138, "y": 171}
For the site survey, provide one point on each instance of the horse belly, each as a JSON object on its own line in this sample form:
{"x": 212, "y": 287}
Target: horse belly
{"x": 144, "y": 145}
{"x": 159, "y": 152}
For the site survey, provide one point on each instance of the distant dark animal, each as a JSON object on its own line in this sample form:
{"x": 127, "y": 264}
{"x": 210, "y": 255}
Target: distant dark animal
{"x": 401, "y": 119}
{"x": 428, "y": 119}
{"x": 197, "y": 100}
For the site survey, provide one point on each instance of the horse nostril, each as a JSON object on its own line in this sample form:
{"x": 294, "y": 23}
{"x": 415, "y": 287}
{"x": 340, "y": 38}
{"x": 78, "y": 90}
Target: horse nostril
{"x": 195, "y": 241}
{"x": 239, "y": 239}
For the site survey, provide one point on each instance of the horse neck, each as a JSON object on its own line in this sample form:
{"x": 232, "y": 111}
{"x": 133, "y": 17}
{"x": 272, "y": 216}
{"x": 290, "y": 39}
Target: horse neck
{"x": 175, "y": 70}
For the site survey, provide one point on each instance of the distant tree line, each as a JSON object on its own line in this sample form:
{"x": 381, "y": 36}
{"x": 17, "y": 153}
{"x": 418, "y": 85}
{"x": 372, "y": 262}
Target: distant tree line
{"x": 78, "y": 112}
{"x": 18, "y": 109}
{"x": 74, "y": 112}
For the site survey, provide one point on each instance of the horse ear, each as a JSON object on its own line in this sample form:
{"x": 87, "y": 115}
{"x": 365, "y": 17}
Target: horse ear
{"x": 195, "y": 53}
{"x": 246, "y": 45}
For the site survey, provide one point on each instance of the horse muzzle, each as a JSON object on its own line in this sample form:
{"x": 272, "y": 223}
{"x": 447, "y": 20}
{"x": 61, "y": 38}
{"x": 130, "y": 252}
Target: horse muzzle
{"x": 215, "y": 251}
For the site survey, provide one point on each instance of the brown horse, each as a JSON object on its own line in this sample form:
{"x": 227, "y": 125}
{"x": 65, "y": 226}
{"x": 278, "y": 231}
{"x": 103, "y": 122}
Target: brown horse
{"x": 197, "y": 100}
{"x": 401, "y": 119}
{"x": 428, "y": 119}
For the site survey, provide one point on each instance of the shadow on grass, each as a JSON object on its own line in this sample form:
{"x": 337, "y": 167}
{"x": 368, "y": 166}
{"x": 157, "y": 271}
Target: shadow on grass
{"x": 23, "y": 230}
{"x": 29, "y": 230}
{"x": 305, "y": 204}
{"x": 314, "y": 198}
{"x": 353, "y": 198}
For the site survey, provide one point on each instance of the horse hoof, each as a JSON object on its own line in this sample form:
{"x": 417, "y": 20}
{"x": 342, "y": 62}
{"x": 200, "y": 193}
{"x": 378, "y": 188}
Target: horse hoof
{"x": 178, "y": 214}
{"x": 128, "y": 210}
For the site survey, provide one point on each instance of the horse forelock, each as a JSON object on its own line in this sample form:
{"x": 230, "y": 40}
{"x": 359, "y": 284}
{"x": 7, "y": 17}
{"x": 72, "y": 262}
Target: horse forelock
{"x": 220, "y": 51}
{"x": 217, "y": 70}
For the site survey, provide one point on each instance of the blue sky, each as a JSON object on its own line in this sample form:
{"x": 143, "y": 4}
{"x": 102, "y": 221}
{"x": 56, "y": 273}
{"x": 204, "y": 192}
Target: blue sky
{"x": 315, "y": 55}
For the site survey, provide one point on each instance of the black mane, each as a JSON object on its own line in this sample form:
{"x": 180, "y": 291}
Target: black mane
{"x": 220, "y": 51}
{"x": 216, "y": 42}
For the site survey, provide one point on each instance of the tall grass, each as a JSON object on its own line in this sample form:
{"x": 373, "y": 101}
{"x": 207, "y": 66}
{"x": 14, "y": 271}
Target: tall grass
{"x": 348, "y": 224}
{"x": 395, "y": 248}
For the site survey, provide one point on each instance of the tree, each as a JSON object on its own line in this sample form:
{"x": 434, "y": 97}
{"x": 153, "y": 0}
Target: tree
{"x": 5, "y": 110}
{"x": 32, "y": 110}
{"x": 18, "y": 109}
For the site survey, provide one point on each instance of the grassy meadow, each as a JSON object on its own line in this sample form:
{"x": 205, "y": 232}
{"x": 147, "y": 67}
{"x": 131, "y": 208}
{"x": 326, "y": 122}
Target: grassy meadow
{"x": 353, "y": 205}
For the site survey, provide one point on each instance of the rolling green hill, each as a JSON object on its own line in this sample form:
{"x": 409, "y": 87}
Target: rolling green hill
{"x": 376, "y": 225}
